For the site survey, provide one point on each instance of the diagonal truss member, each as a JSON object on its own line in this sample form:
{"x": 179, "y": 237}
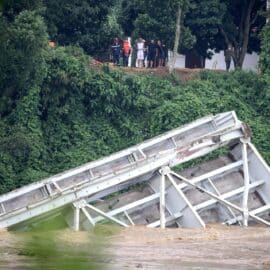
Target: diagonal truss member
{"x": 166, "y": 172}
{"x": 82, "y": 205}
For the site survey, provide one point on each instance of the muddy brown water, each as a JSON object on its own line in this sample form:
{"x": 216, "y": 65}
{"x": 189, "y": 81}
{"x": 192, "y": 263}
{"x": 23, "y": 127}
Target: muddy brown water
{"x": 216, "y": 247}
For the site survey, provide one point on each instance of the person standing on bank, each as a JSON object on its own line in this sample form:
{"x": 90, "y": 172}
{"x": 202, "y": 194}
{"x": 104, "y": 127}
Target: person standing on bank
{"x": 126, "y": 52}
{"x": 151, "y": 53}
{"x": 116, "y": 50}
{"x": 140, "y": 52}
{"x": 228, "y": 53}
{"x": 160, "y": 54}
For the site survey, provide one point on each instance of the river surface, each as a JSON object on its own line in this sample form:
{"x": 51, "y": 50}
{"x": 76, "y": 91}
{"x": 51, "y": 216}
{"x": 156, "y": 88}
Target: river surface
{"x": 216, "y": 247}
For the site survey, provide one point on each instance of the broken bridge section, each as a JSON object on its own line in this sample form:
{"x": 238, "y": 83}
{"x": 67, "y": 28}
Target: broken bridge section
{"x": 235, "y": 191}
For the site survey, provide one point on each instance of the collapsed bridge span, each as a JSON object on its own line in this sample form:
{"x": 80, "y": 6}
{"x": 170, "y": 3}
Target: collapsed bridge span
{"x": 234, "y": 189}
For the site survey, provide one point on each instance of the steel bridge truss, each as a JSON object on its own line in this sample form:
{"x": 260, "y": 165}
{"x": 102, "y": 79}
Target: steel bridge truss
{"x": 182, "y": 201}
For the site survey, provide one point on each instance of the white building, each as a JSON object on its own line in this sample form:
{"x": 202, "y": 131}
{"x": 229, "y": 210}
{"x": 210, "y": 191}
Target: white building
{"x": 218, "y": 61}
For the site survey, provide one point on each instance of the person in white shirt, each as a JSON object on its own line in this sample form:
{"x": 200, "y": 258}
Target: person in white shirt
{"x": 140, "y": 52}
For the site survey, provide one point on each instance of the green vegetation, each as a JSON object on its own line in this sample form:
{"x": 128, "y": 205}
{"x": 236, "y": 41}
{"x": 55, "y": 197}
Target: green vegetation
{"x": 155, "y": 19}
{"x": 84, "y": 23}
{"x": 207, "y": 24}
{"x": 57, "y": 250}
{"x": 57, "y": 113}
{"x": 78, "y": 114}
{"x": 264, "y": 56}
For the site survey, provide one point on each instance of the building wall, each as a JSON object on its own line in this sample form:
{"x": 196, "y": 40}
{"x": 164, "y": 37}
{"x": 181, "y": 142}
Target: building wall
{"x": 218, "y": 62}
{"x": 180, "y": 60}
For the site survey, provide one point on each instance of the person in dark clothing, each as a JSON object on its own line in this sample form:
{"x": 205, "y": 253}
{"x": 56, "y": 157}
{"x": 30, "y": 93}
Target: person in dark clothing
{"x": 145, "y": 64}
{"x": 166, "y": 52}
{"x": 116, "y": 51}
{"x": 160, "y": 54}
{"x": 151, "y": 53}
{"x": 228, "y": 53}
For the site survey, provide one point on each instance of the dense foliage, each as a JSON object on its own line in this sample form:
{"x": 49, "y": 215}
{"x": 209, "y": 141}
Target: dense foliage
{"x": 79, "y": 114}
{"x": 208, "y": 24}
{"x": 57, "y": 113}
{"x": 155, "y": 19}
{"x": 80, "y": 22}
{"x": 264, "y": 56}
{"x": 22, "y": 47}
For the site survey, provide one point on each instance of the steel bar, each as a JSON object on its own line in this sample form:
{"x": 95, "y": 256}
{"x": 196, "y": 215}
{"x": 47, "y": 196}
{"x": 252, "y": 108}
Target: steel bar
{"x": 76, "y": 219}
{"x": 246, "y": 182}
{"x": 219, "y": 194}
{"x": 148, "y": 199}
{"x": 227, "y": 195}
{"x": 168, "y": 219}
{"x": 105, "y": 215}
{"x": 257, "y": 211}
{"x": 90, "y": 219}
{"x": 239, "y": 209}
{"x": 180, "y": 192}
{"x": 226, "y": 168}
{"x": 162, "y": 201}
{"x": 129, "y": 218}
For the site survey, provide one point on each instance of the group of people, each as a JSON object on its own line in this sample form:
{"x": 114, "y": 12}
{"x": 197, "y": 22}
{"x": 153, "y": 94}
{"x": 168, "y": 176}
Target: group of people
{"x": 150, "y": 55}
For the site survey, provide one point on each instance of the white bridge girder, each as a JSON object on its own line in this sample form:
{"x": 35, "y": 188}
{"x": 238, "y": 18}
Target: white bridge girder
{"x": 151, "y": 161}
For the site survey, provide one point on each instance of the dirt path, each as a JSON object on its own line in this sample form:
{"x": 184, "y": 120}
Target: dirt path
{"x": 217, "y": 247}
{"x": 183, "y": 73}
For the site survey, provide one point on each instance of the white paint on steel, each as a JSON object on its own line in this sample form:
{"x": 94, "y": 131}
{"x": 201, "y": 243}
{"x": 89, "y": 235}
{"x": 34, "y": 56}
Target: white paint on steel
{"x": 76, "y": 219}
{"x": 246, "y": 182}
{"x": 168, "y": 219}
{"x": 228, "y": 195}
{"x": 151, "y": 198}
{"x": 219, "y": 194}
{"x": 222, "y": 201}
{"x": 89, "y": 218}
{"x": 129, "y": 218}
{"x": 113, "y": 219}
{"x": 257, "y": 211}
{"x": 162, "y": 201}
{"x": 169, "y": 149}
{"x": 180, "y": 192}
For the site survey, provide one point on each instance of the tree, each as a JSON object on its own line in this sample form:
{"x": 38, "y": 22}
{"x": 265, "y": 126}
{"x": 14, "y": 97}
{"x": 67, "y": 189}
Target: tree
{"x": 203, "y": 19}
{"x": 216, "y": 24}
{"x": 177, "y": 36}
{"x": 79, "y": 22}
{"x": 22, "y": 65}
{"x": 265, "y": 46}
{"x": 156, "y": 19}
{"x": 12, "y": 8}
{"x": 241, "y": 24}
{"x": 128, "y": 13}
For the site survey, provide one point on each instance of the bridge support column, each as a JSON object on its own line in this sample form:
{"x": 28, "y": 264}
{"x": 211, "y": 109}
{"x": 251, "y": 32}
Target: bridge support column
{"x": 162, "y": 205}
{"x": 246, "y": 181}
{"x": 76, "y": 222}
{"x": 78, "y": 207}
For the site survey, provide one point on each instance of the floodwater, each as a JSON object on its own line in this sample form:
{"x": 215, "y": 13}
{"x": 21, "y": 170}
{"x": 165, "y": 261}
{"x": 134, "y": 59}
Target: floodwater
{"x": 216, "y": 247}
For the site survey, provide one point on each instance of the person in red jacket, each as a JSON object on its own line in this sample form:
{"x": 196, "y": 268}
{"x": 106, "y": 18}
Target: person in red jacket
{"x": 126, "y": 52}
